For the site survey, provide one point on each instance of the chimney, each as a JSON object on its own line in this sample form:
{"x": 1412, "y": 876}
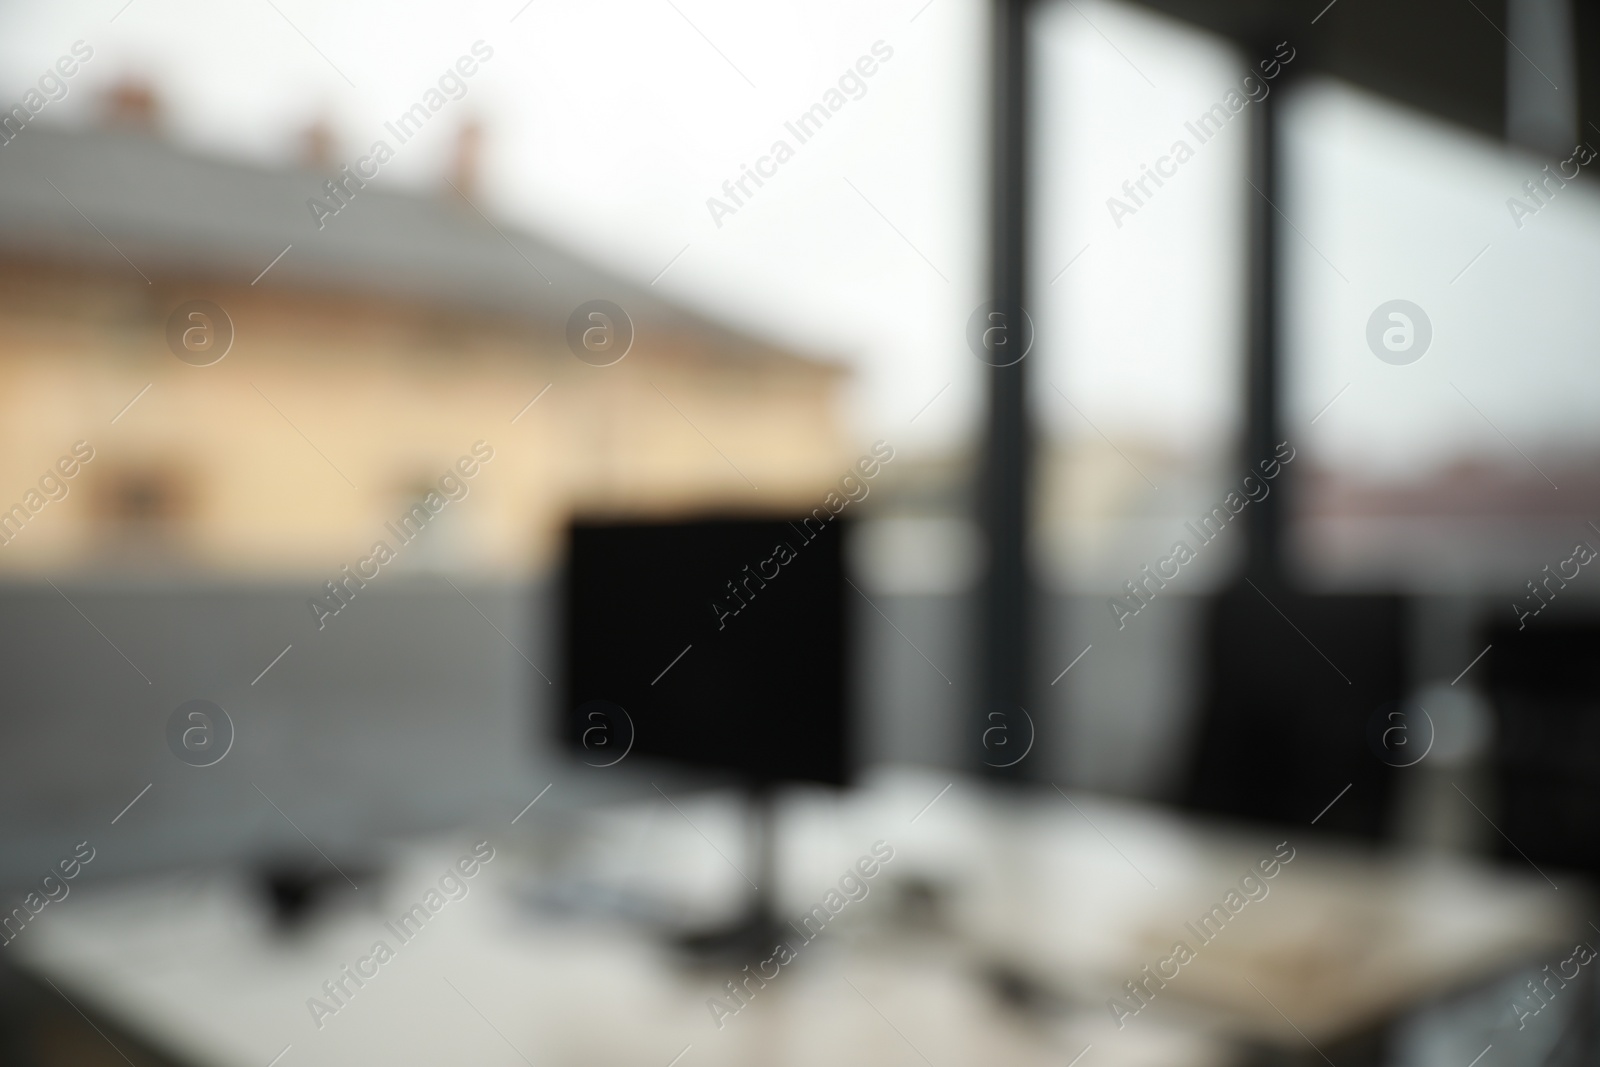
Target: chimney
{"x": 317, "y": 147}
{"x": 131, "y": 104}
{"x": 467, "y": 160}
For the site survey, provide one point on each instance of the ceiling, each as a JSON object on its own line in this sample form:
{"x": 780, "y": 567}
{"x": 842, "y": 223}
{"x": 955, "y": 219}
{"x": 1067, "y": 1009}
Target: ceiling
{"x": 1446, "y": 57}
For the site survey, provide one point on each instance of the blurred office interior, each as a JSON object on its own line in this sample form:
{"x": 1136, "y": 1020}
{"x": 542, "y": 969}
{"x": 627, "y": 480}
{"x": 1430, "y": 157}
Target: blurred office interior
{"x": 1338, "y": 345}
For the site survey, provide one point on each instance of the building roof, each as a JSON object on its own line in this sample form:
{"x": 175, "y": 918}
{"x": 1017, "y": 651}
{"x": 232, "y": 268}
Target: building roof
{"x": 178, "y": 214}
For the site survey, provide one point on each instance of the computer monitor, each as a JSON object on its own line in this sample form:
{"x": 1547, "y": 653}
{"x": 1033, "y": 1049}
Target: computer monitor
{"x": 722, "y": 642}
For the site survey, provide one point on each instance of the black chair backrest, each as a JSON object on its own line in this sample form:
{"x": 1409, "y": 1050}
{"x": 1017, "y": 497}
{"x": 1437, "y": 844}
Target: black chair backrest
{"x": 1292, "y": 682}
{"x": 1544, "y": 684}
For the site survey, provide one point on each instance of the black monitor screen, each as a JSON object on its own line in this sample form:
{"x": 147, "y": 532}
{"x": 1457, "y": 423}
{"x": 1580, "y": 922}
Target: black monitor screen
{"x": 721, "y": 642}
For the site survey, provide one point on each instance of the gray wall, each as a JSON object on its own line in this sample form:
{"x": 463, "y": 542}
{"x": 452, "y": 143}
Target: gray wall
{"x": 407, "y": 711}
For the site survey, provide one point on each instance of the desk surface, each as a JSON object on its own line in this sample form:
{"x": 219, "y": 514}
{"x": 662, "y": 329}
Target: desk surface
{"x": 1079, "y": 893}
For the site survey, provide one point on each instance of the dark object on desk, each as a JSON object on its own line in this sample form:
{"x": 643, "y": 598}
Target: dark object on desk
{"x": 719, "y": 645}
{"x": 294, "y": 891}
{"x": 1544, "y": 684}
{"x": 1291, "y": 686}
{"x": 1018, "y": 989}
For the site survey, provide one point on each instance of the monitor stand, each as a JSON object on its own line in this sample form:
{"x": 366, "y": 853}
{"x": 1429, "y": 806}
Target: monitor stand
{"x": 754, "y": 933}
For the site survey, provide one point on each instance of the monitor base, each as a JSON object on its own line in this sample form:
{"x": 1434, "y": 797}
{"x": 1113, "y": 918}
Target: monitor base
{"x": 754, "y": 934}
{"x": 746, "y": 940}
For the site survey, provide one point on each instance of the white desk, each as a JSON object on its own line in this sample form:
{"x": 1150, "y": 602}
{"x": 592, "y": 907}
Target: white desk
{"x": 1062, "y": 892}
